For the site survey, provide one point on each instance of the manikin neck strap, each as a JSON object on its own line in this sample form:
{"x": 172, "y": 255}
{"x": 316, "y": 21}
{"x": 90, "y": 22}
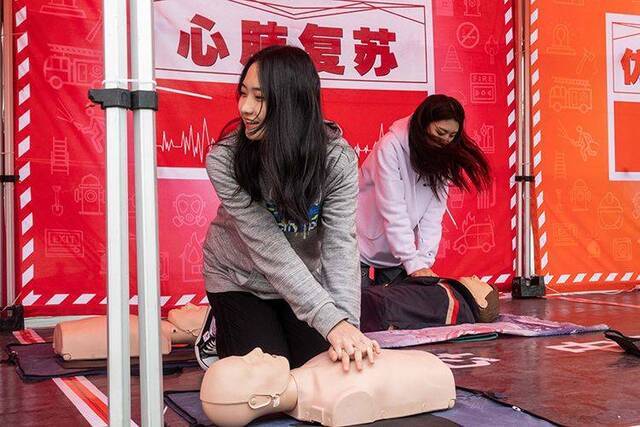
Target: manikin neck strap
{"x": 257, "y": 401}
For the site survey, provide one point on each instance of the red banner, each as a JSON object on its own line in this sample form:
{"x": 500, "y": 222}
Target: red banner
{"x": 377, "y": 60}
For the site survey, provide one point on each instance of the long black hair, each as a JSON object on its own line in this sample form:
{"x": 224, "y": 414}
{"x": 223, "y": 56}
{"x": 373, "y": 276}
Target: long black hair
{"x": 460, "y": 162}
{"x": 289, "y": 161}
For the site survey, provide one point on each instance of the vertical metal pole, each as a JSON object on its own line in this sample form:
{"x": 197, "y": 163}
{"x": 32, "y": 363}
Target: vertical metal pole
{"x": 8, "y": 219}
{"x": 146, "y": 217}
{"x": 115, "y": 72}
{"x": 525, "y": 284}
{"x": 522, "y": 135}
{"x": 526, "y": 141}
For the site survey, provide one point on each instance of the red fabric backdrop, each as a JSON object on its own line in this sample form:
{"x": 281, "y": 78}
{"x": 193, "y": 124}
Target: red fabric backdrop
{"x": 380, "y": 67}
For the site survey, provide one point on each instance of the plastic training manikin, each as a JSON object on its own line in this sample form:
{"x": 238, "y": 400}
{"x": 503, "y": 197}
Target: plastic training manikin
{"x": 236, "y": 390}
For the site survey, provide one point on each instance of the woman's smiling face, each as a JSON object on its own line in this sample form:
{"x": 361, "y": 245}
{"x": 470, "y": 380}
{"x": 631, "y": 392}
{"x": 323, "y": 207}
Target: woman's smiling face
{"x": 251, "y": 104}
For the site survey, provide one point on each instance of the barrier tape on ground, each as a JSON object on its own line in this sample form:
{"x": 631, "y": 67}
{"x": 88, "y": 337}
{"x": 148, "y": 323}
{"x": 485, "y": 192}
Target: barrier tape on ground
{"x": 27, "y": 336}
{"x": 87, "y": 398}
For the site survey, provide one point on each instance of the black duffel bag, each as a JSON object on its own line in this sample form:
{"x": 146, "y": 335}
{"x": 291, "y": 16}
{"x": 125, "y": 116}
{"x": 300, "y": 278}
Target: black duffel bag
{"x": 416, "y": 303}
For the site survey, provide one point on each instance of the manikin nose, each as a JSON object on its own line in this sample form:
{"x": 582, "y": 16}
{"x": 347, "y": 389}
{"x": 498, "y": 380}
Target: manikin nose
{"x": 254, "y": 355}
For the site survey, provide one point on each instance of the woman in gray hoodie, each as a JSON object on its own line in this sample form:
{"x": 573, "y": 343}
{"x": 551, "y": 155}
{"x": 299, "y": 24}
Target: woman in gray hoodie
{"x": 281, "y": 259}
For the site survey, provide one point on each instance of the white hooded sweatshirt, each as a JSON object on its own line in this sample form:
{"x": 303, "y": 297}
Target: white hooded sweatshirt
{"x": 399, "y": 217}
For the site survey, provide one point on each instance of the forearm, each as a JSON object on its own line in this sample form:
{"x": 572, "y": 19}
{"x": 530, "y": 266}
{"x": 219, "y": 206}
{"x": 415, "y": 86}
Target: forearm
{"x": 340, "y": 256}
{"x": 430, "y": 230}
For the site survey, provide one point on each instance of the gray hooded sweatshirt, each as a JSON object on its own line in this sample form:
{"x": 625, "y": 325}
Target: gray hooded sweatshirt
{"x": 315, "y": 268}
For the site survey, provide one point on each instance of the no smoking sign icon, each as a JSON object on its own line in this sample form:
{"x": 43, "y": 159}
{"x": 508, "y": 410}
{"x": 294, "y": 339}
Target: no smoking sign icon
{"x": 468, "y": 35}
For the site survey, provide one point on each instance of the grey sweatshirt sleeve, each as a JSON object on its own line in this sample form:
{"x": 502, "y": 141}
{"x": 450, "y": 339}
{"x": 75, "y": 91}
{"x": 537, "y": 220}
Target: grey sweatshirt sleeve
{"x": 340, "y": 257}
{"x": 270, "y": 250}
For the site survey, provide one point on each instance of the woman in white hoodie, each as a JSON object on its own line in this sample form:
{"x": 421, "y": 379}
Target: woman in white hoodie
{"x": 404, "y": 185}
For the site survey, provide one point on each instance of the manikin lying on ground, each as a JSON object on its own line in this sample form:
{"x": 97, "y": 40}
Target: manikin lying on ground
{"x": 236, "y": 390}
{"x": 86, "y": 339}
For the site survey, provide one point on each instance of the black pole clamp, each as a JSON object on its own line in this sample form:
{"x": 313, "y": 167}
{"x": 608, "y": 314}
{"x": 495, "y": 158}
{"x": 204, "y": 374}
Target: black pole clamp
{"x": 144, "y": 100}
{"x": 123, "y": 98}
{"x": 524, "y": 178}
{"x": 9, "y": 178}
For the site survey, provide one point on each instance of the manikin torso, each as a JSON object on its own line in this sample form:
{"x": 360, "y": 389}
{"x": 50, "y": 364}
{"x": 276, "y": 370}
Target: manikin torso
{"x": 400, "y": 383}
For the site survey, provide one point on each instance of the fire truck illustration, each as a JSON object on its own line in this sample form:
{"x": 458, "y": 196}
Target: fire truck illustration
{"x": 69, "y": 65}
{"x": 571, "y": 94}
{"x": 476, "y": 235}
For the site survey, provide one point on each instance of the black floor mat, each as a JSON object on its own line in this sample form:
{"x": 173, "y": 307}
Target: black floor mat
{"x": 37, "y": 362}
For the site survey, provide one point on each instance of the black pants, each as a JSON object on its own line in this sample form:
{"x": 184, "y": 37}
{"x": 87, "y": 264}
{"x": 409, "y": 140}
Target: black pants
{"x": 244, "y": 322}
{"x": 381, "y": 276}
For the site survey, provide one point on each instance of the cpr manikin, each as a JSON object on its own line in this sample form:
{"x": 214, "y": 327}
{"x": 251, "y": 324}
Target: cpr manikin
{"x": 86, "y": 339}
{"x": 485, "y": 296}
{"x": 235, "y": 390}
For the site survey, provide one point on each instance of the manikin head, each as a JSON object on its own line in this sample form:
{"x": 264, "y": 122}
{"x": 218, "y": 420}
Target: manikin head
{"x": 486, "y": 296}
{"x": 238, "y": 389}
{"x": 187, "y": 322}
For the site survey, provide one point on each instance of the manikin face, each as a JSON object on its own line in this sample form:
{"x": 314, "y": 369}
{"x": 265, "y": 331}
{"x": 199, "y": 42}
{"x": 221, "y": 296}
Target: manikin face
{"x": 251, "y": 104}
{"x": 236, "y": 379}
{"x": 188, "y": 317}
{"x": 258, "y": 359}
{"x": 445, "y": 130}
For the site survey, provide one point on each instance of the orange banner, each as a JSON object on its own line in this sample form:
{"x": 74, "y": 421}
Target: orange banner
{"x": 585, "y": 77}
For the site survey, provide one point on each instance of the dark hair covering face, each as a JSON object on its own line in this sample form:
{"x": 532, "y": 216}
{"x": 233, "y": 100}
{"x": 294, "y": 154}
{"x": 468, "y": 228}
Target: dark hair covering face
{"x": 460, "y": 162}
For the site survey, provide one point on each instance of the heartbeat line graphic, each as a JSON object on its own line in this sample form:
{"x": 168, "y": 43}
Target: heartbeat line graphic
{"x": 194, "y": 142}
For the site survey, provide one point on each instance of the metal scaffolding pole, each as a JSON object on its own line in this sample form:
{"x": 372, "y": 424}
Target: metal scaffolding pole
{"x": 524, "y": 285}
{"x": 523, "y": 133}
{"x": 7, "y": 213}
{"x": 142, "y": 66}
{"x": 115, "y": 73}
{"x": 526, "y": 141}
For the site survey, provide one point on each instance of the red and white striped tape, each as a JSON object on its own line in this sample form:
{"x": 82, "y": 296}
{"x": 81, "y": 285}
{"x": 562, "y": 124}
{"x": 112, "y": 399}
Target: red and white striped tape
{"x": 91, "y": 298}
{"x": 22, "y": 135}
{"x": 561, "y": 279}
{"x": 512, "y": 124}
{"x": 88, "y": 399}
{"x": 28, "y": 336}
{"x": 536, "y": 131}
{"x": 496, "y": 279}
